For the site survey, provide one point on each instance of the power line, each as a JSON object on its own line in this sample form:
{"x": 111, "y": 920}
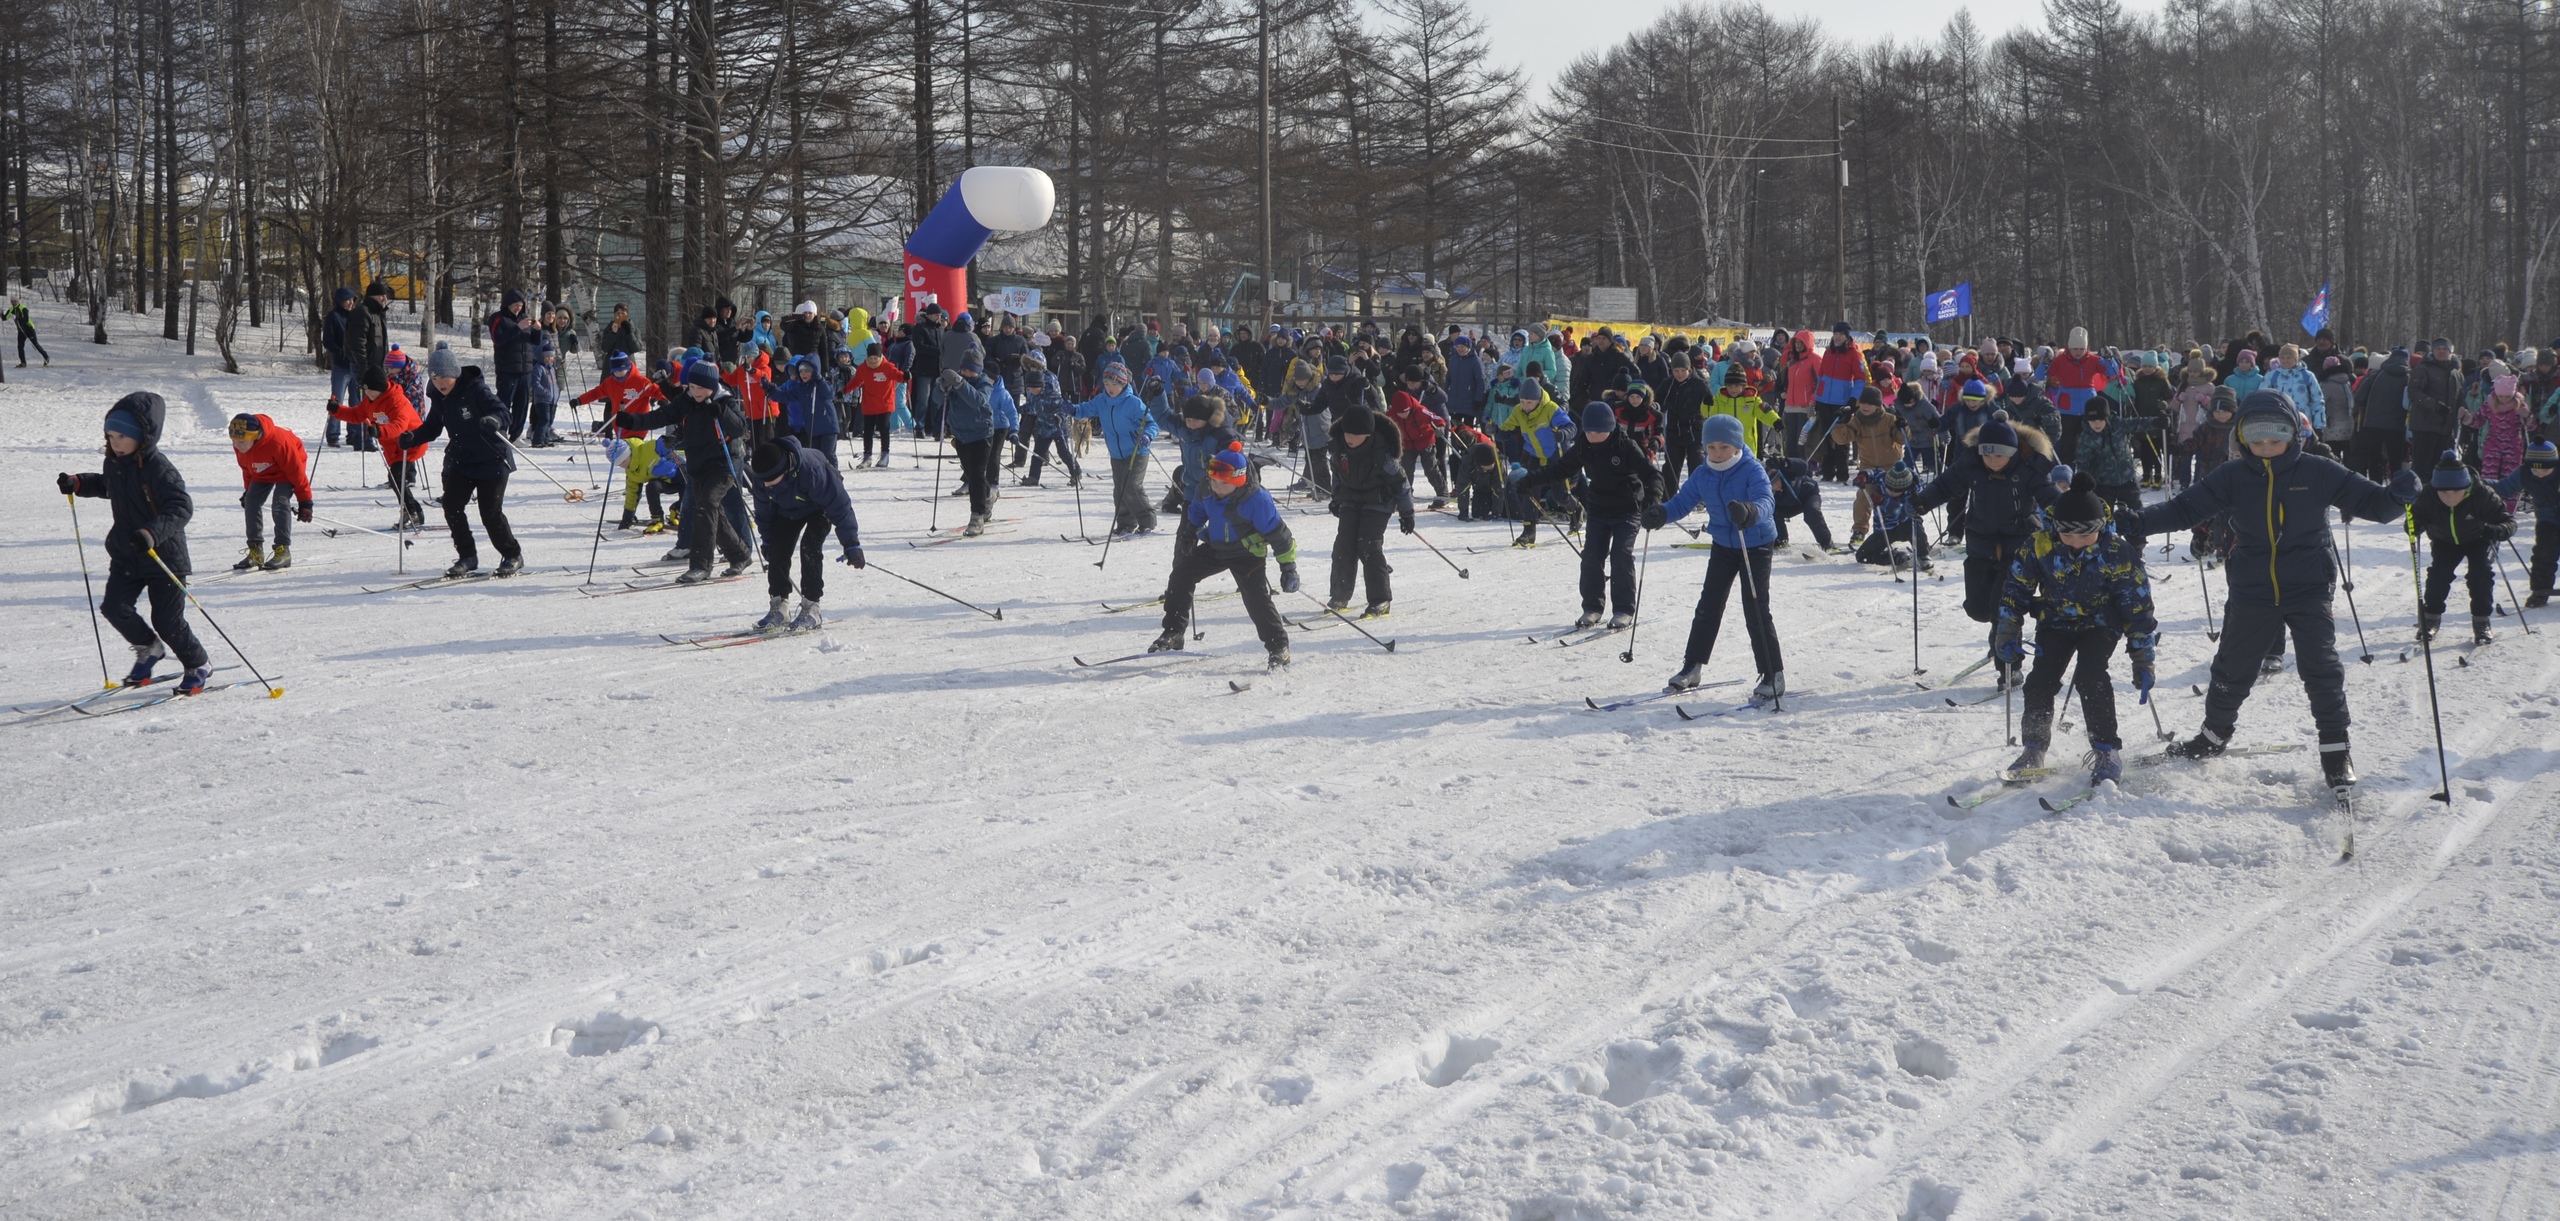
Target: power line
{"x": 1673, "y": 152}
{"x": 1711, "y": 135}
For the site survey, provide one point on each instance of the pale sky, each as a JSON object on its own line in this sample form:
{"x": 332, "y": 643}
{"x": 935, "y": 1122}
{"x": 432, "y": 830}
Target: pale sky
{"x": 1542, "y": 36}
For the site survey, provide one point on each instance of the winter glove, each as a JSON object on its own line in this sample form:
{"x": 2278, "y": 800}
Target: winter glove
{"x": 1516, "y": 471}
{"x": 2142, "y": 671}
{"x": 1288, "y": 578}
{"x": 491, "y": 422}
{"x": 143, "y": 535}
{"x": 1744, "y": 515}
{"x": 2129, "y": 523}
{"x": 66, "y": 483}
{"x": 2009, "y": 640}
{"x": 951, "y": 379}
{"x": 1405, "y": 523}
{"x": 2404, "y": 486}
{"x": 2498, "y": 531}
{"x": 302, "y": 512}
{"x": 1655, "y": 518}
{"x": 853, "y": 556}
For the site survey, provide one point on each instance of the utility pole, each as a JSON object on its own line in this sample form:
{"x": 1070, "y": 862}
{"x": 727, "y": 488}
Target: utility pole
{"x": 1262, "y": 37}
{"x": 1839, "y": 212}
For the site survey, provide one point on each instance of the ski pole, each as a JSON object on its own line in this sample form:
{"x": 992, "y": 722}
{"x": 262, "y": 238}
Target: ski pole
{"x": 602, "y": 503}
{"x": 579, "y": 426}
{"x": 2204, "y": 581}
{"x": 1388, "y": 645}
{"x": 1751, "y": 594}
{"x": 1641, "y": 565}
{"x": 2348, "y": 582}
{"x": 997, "y": 613}
{"x": 90, "y": 590}
{"x": 274, "y": 692}
{"x": 1444, "y": 556}
{"x": 2427, "y": 644}
{"x": 934, "y": 520}
{"x": 1076, "y": 478}
{"x": 567, "y": 493}
{"x": 1114, "y": 534}
{"x": 2501, "y": 566}
{"x": 1916, "y": 669}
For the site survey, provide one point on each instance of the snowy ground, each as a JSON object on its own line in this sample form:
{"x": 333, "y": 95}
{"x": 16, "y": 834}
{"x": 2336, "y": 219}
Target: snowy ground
{"x": 508, "y": 909}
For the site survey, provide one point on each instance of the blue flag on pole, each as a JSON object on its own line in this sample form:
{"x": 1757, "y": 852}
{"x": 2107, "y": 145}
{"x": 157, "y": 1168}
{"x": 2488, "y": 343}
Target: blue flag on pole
{"x": 2316, "y": 314}
{"x": 1955, "y": 302}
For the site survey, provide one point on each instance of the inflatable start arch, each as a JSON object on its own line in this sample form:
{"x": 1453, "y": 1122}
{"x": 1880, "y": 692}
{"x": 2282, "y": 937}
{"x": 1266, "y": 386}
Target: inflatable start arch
{"x": 988, "y": 199}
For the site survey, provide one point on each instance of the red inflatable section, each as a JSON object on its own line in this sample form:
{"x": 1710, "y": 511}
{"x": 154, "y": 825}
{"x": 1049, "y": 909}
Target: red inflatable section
{"x": 931, "y": 282}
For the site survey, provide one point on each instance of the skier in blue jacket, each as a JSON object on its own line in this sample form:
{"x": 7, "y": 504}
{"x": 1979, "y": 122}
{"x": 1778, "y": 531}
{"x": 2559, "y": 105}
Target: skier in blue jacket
{"x": 798, "y": 494}
{"x": 1238, "y": 526}
{"x": 1733, "y": 489}
{"x": 2282, "y": 569}
{"x": 809, "y": 407}
{"x": 1127, "y": 429}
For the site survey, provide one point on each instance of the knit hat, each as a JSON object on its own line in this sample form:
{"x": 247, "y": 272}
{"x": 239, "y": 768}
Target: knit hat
{"x": 1998, "y": 439}
{"x": 1336, "y": 364}
{"x": 2079, "y": 341}
{"x": 1638, "y": 387}
{"x": 1202, "y": 407}
{"x": 443, "y": 361}
{"x": 2451, "y": 475}
{"x": 243, "y": 427}
{"x": 1871, "y": 395}
{"x": 1722, "y": 429}
{"x": 700, "y": 373}
{"x": 618, "y": 364}
{"x": 2062, "y": 474}
{"x": 374, "y": 380}
{"x": 769, "y": 461}
{"x": 808, "y": 307}
{"x": 1899, "y": 478}
{"x": 2226, "y": 399}
{"x": 2541, "y": 453}
{"x": 2080, "y": 511}
{"x": 1597, "y": 417}
{"x": 2096, "y": 409}
{"x": 2016, "y": 387}
{"x": 1355, "y": 421}
{"x": 2244, "y": 359}
{"x": 1733, "y": 373}
{"x": 1230, "y": 466}
{"x": 1113, "y": 368}
{"x": 1975, "y": 391}
{"x": 377, "y": 289}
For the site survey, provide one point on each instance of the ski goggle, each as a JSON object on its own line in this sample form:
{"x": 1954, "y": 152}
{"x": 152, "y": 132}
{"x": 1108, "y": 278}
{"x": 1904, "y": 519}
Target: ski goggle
{"x": 2078, "y": 527}
{"x": 2254, "y": 431}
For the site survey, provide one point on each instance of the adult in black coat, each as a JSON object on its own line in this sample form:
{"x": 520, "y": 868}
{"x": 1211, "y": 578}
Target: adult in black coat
{"x": 515, "y": 333}
{"x": 477, "y": 459}
{"x": 1368, "y": 487}
{"x": 2001, "y": 479}
{"x": 151, "y": 508}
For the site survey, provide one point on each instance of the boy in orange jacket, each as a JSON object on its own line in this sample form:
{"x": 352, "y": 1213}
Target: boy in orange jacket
{"x": 626, "y": 394}
{"x": 271, "y": 461}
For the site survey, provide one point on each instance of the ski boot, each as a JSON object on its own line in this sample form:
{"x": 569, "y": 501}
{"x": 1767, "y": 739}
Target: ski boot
{"x": 2109, "y": 766}
{"x": 1439, "y": 502}
{"x": 739, "y": 566}
{"x": 960, "y": 491}
{"x": 694, "y": 576}
{"x": 2029, "y": 761}
{"x": 1621, "y": 621}
{"x": 1026, "y": 482}
{"x": 977, "y": 526}
{"x": 2336, "y": 767}
{"x": 773, "y": 617}
{"x": 1589, "y": 620}
{"x": 676, "y": 556}
{"x": 1688, "y": 678}
{"x": 2270, "y": 665}
{"x": 463, "y": 567}
{"x": 1773, "y": 685}
{"x": 509, "y": 565}
{"x": 1169, "y": 641}
{"x": 1337, "y": 604}
{"x": 630, "y": 520}
{"x": 194, "y": 680}
{"x": 1377, "y": 610}
{"x": 2428, "y": 621}
{"x": 144, "y": 656}
{"x": 2205, "y": 745}
{"x": 2537, "y": 599}
{"x": 253, "y": 557}
{"x": 807, "y": 620}
{"x": 2479, "y": 629}
{"x": 412, "y": 518}
{"x": 1279, "y": 656}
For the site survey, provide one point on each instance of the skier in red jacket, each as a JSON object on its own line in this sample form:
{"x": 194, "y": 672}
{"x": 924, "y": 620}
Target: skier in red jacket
{"x": 271, "y": 462}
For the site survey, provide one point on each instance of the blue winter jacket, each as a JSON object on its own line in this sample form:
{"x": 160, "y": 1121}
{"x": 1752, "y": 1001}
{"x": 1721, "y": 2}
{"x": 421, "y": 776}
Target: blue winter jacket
{"x": 474, "y": 425}
{"x": 1008, "y": 415}
{"x": 2280, "y": 509}
{"x": 2303, "y": 387}
{"x": 1241, "y": 522}
{"x": 1198, "y": 446}
{"x": 969, "y": 411}
{"x": 1048, "y": 411}
{"x": 2077, "y": 589}
{"x": 1708, "y": 488}
{"x": 1127, "y": 427}
{"x": 2543, "y": 490}
{"x": 810, "y": 488}
{"x": 808, "y": 408}
{"x": 1468, "y": 387}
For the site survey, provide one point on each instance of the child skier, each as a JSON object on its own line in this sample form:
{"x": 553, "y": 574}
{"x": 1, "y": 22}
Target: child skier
{"x": 1369, "y": 485}
{"x": 1734, "y": 491}
{"x": 798, "y": 493}
{"x": 1998, "y": 480}
{"x": 1878, "y": 435}
{"x": 2086, "y": 585}
{"x": 477, "y": 460}
{"x": 1237, "y": 526}
{"x": 271, "y": 462}
{"x": 2106, "y": 451}
{"x": 626, "y": 396}
{"x": 877, "y": 382}
{"x": 151, "y": 513}
{"x": 1795, "y": 492}
{"x": 1479, "y": 475}
{"x": 384, "y": 409}
{"x": 2463, "y": 521}
{"x": 1889, "y": 491}
{"x": 2539, "y": 480}
{"x": 1050, "y": 419}
{"x": 1619, "y": 484}
{"x": 1641, "y": 420}
{"x": 1737, "y": 398}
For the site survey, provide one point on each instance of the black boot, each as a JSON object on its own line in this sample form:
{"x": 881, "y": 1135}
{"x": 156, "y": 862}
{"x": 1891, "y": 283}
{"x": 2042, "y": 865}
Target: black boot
{"x": 1169, "y": 642}
{"x": 2335, "y": 766}
{"x": 2205, "y": 745}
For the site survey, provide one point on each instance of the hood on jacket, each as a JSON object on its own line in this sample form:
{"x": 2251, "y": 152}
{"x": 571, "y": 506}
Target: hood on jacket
{"x": 2030, "y": 439}
{"x": 514, "y": 296}
{"x": 803, "y": 361}
{"x": 344, "y": 297}
{"x": 148, "y": 412}
{"x": 723, "y": 308}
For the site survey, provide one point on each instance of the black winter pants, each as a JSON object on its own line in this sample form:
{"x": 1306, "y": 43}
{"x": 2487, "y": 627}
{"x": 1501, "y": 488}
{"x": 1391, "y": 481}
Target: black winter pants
{"x": 1681, "y": 452}
{"x": 515, "y": 390}
{"x": 1433, "y": 468}
{"x": 1808, "y": 502}
{"x": 2546, "y": 556}
{"x": 2441, "y": 561}
{"x": 458, "y": 491}
{"x": 1129, "y": 507}
{"x": 1724, "y": 566}
{"x": 2377, "y": 454}
{"x": 1202, "y": 562}
{"x": 876, "y": 426}
{"x": 1609, "y": 544}
{"x": 1878, "y": 549}
{"x": 706, "y": 519}
{"x": 976, "y": 460}
{"x": 1986, "y": 569}
{"x": 1359, "y": 549}
{"x": 126, "y": 584}
{"x": 2056, "y": 651}
{"x": 2246, "y": 634}
{"x": 806, "y": 535}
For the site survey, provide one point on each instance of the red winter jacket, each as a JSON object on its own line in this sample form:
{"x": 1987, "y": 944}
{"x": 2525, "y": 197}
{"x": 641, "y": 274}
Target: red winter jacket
{"x": 277, "y": 457}
{"x": 877, "y": 382}
{"x": 629, "y": 394}
{"x": 1416, "y": 425}
{"x": 1803, "y": 366}
{"x": 392, "y": 417}
{"x": 2087, "y": 371}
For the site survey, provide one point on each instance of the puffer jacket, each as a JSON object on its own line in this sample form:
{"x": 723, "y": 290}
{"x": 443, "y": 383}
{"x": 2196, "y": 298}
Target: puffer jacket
{"x": 2279, "y": 509}
{"x": 808, "y": 407}
{"x": 2101, "y": 586}
{"x": 1803, "y": 366}
{"x": 1879, "y": 437}
{"x": 2108, "y": 456}
{"x": 2435, "y": 396}
{"x": 474, "y": 425}
{"x": 1127, "y": 426}
{"x": 146, "y": 493}
{"x": 2303, "y": 387}
{"x": 1242, "y": 522}
{"x": 1369, "y": 478}
{"x": 2382, "y": 398}
{"x": 1711, "y": 489}
{"x": 2003, "y": 508}
{"x": 810, "y": 487}
{"x": 2542, "y": 490}
{"x": 969, "y": 412}
{"x": 2481, "y": 516}
{"x": 1618, "y": 478}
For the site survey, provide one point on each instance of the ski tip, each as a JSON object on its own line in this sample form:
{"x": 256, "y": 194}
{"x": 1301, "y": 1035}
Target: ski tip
{"x": 1391, "y": 646}
{"x": 1684, "y": 713}
{"x": 1592, "y": 704}
{"x": 1952, "y": 704}
{"x": 1237, "y": 687}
